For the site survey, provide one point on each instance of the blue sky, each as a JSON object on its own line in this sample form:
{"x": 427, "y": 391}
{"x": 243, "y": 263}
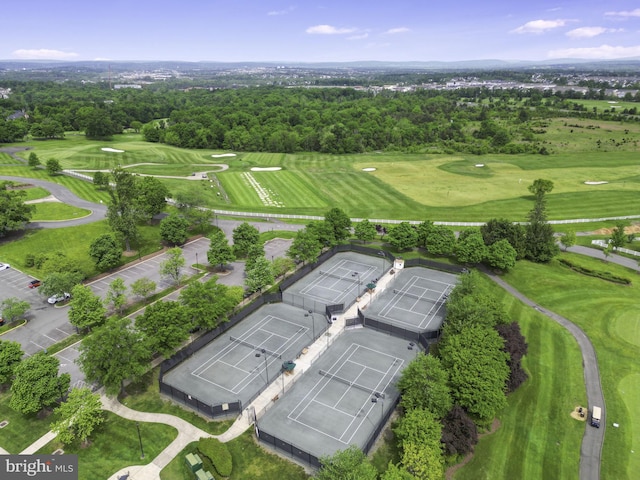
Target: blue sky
{"x": 319, "y": 31}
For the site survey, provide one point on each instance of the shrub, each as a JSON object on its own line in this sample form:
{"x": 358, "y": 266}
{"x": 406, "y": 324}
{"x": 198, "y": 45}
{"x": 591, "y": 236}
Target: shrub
{"x": 608, "y": 276}
{"x": 29, "y": 260}
{"x": 218, "y": 454}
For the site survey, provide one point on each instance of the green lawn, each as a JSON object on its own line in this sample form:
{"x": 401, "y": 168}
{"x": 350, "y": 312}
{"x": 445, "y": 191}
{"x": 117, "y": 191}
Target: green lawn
{"x": 22, "y": 430}
{"x": 115, "y": 445}
{"x": 250, "y": 462}
{"x": 73, "y": 242}
{"x": 57, "y": 211}
{"x": 35, "y": 193}
{"x": 536, "y": 434}
{"x": 608, "y": 313}
{"x": 145, "y": 396}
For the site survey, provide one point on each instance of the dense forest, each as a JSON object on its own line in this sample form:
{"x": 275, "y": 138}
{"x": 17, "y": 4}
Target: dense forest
{"x": 280, "y": 119}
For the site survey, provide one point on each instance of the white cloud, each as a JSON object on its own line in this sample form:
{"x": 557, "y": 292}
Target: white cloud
{"x": 539, "y": 26}
{"x": 329, "y": 30}
{"x": 358, "y": 37}
{"x": 604, "y": 52}
{"x": 393, "y": 31}
{"x": 274, "y": 13}
{"x": 631, "y": 13}
{"x": 587, "y": 32}
{"x": 42, "y": 54}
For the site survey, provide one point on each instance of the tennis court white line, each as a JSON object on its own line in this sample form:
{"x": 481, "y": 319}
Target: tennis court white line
{"x": 350, "y": 353}
{"x": 315, "y": 284}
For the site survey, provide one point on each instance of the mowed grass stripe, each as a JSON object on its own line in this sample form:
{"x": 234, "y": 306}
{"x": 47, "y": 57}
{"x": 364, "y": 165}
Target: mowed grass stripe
{"x": 291, "y": 188}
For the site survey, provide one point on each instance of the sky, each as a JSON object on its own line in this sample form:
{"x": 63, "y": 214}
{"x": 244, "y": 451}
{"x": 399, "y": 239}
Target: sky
{"x": 319, "y": 31}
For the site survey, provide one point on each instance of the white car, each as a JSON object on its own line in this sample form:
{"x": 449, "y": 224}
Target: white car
{"x": 4, "y": 266}
{"x": 58, "y": 298}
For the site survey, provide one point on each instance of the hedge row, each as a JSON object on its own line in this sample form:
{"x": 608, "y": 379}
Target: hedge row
{"x": 595, "y": 273}
{"x": 218, "y": 454}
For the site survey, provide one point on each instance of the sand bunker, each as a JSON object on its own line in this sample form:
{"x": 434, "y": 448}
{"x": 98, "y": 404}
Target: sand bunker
{"x": 265, "y": 169}
{"x": 369, "y": 169}
{"x": 224, "y": 155}
{"x": 114, "y": 150}
{"x": 595, "y": 183}
{"x": 479, "y": 165}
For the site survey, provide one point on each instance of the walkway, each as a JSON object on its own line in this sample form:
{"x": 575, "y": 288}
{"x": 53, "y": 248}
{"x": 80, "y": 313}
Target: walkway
{"x": 593, "y": 438}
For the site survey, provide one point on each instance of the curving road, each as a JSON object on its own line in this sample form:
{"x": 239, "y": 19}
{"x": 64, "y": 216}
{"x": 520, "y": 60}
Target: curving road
{"x": 98, "y": 210}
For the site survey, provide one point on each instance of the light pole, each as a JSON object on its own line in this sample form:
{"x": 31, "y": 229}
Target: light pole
{"x": 313, "y": 323}
{"x": 197, "y": 264}
{"x": 140, "y": 440}
{"x": 266, "y": 366}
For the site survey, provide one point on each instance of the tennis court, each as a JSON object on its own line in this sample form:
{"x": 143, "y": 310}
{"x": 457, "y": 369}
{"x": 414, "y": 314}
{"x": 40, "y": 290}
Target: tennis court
{"x": 241, "y": 362}
{"x": 340, "y": 279}
{"x": 343, "y": 396}
{"x": 415, "y": 300}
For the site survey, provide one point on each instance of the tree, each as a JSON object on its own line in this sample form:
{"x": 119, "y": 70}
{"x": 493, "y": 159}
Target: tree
{"x": 305, "y": 247}
{"x": 58, "y": 283}
{"x": 14, "y": 213}
{"x": 36, "y": 384}
{"x": 101, "y": 180}
{"x": 568, "y": 240}
{"x": 33, "y": 161}
{"x": 540, "y": 242}
{"x": 136, "y": 125}
{"x": 365, "y": 231}
{"x": 13, "y": 309}
{"x": 208, "y": 303}
{"x": 324, "y": 232}
{"x": 86, "y": 310}
{"x": 502, "y": 229}
{"x": 172, "y": 266}
{"x": 259, "y": 276}
{"x": 459, "y": 432}
{"x": 424, "y": 384}
{"x": 618, "y": 238}
{"x": 244, "y": 236}
{"x": 419, "y": 433}
{"x": 281, "y": 266}
{"x": 151, "y": 196}
{"x": 10, "y": 356}
{"x": 516, "y": 346}
{"x": 396, "y": 472}
{"x": 403, "y": 236}
{"x": 440, "y": 240}
{"x": 340, "y": 223}
{"x": 423, "y": 231}
{"x": 501, "y": 255}
{"x": 348, "y": 464}
{"x": 78, "y": 416}
{"x": 471, "y": 249}
{"x": 478, "y": 370}
{"x": 122, "y": 213}
{"x": 173, "y": 229}
{"x": 165, "y": 326}
{"x": 143, "y": 287}
{"x": 192, "y": 205}
{"x": 255, "y": 252}
{"x": 219, "y": 253}
{"x": 106, "y": 252}
{"x": 116, "y": 297}
{"x": 113, "y": 353}
{"x": 53, "y": 167}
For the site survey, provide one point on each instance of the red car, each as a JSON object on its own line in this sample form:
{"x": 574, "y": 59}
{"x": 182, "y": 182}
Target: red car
{"x": 34, "y": 283}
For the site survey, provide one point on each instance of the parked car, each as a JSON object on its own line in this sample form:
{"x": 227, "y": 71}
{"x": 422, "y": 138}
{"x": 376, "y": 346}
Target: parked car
{"x": 34, "y": 283}
{"x": 1, "y": 321}
{"x": 59, "y": 298}
{"x": 4, "y": 266}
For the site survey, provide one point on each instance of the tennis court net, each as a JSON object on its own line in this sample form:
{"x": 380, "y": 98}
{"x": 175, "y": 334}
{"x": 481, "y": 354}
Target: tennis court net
{"x": 332, "y": 376}
{"x": 353, "y": 279}
{"x": 255, "y": 347}
{"x": 413, "y": 295}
